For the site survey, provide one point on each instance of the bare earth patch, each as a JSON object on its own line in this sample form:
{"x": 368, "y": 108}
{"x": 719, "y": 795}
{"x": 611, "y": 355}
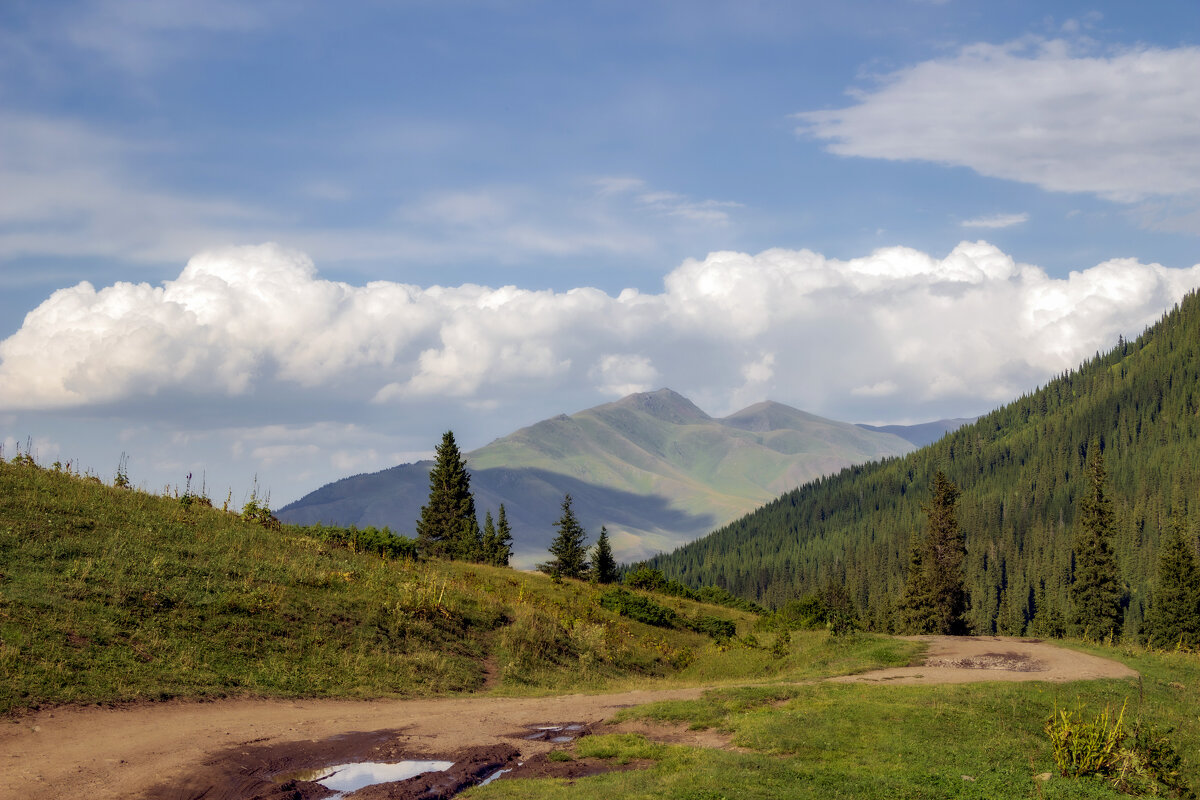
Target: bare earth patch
{"x": 237, "y": 749}
{"x": 972, "y": 659}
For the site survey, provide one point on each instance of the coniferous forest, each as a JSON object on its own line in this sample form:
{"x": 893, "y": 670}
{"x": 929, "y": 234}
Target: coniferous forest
{"x": 1023, "y": 473}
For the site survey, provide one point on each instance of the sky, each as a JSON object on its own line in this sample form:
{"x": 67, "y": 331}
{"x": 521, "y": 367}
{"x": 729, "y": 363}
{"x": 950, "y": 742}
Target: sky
{"x": 279, "y": 243}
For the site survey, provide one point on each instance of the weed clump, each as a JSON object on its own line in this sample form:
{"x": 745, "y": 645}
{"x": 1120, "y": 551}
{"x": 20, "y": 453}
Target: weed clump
{"x": 1138, "y": 761}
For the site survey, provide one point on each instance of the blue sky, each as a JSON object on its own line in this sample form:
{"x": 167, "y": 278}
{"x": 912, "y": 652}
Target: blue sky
{"x": 297, "y": 221}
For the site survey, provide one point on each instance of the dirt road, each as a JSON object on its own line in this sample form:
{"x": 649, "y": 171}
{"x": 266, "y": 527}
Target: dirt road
{"x": 125, "y": 752}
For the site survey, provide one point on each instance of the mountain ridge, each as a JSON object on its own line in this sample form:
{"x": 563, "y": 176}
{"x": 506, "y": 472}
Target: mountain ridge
{"x": 652, "y": 467}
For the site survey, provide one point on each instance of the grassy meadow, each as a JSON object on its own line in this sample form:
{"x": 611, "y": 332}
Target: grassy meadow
{"x": 870, "y": 741}
{"x": 110, "y": 595}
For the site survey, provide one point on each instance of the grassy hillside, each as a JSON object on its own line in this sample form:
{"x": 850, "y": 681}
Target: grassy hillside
{"x": 1021, "y": 469}
{"x": 110, "y": 594}
{"x": 652, "y": 467}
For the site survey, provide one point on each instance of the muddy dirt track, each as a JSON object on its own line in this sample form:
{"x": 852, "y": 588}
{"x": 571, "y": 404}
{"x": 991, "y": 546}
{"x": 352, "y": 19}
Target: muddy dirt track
{"x": 230, "y": 748}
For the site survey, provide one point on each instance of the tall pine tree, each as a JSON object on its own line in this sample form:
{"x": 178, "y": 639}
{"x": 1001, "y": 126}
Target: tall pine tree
{"x": 448, "y": 527}
{"x": 568, "y": 549}
{"x": 935, "y": 598}
{"x": 604, "y": 566}
{"x": 1096, "y": 590}
{"x": 1174, "y": 616}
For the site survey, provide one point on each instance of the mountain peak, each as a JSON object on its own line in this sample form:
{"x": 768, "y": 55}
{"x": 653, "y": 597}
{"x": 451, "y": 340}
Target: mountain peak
{"x": 663, "y": 404}
{"x": 767, "y": 416}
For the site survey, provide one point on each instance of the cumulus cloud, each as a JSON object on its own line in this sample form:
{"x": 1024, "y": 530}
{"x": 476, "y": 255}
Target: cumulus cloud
{"x": 624, "y": 374}
{"x": 890, "y": 334}
{"x": 996, "y": 221}
{"x": 1122, "y": 125}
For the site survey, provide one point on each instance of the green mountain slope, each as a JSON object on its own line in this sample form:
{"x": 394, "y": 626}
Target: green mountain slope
{"x": 1021, "y": 470}
{"x": 652, "y": 467}
{"x": 111, "y": 594}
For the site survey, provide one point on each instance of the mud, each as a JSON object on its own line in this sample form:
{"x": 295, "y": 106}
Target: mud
{"x": 238, "y": 749}
{"x": 1011, "y": 661}
{"x": 277, "y": 771}
{"x": 263, "y": 772}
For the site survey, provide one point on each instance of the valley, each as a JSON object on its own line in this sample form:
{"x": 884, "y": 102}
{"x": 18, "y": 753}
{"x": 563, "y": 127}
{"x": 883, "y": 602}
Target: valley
{"x": 652, "y": 467}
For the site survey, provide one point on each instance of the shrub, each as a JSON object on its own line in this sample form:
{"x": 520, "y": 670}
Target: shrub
{"x": 635, "y": 606}
{"x": 715, "y": 627}
{"x": 782, "y": 644}
{"x": 1141, "y": 761}
{"x": 645, "y": 577}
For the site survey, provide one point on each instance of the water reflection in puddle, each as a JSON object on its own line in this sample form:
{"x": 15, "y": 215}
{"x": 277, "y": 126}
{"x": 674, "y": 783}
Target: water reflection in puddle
{"x": 352, "y": 777}
{"x": 558, "y": 734}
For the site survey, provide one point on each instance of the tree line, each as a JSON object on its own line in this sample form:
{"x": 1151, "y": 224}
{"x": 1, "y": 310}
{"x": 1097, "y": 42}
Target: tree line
{"x": 936, "y": 599}
{"x": 1021, "y": 474}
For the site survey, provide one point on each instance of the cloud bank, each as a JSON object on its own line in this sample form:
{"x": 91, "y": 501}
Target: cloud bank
{"x": 1121, "y": 125}
{"x": 890, "y": 335}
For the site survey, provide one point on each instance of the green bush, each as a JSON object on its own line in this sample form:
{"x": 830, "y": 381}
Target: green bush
{"x": 380, "y": 541}
{"x": 637, "y": 607}
{"x": 1141, "y": 761}
{"x": 715, "y": 627}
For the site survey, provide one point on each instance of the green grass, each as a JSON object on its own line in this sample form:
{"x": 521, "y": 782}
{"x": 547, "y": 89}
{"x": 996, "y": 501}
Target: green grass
{"x": 111, "y": 595}
{"x": 870, "y": 741}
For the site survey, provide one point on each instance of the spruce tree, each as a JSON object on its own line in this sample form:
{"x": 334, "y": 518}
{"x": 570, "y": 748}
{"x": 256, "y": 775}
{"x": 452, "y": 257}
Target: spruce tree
{"x": 935, "y": 598}
{"x": 448, "y": 527}
{"x": 1174, "y": 616}
{"x": 488, "y": 552}
{"x": 1096, "y": 590}
{"x": 568, "y": 549}
{"x": 914, "y": 613}
{"x": 604, "y": 566}
{"x": 504, "y": 540}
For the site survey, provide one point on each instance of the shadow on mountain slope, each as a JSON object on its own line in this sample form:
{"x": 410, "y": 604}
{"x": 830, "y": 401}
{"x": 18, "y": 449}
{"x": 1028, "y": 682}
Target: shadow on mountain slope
{"x": 532, "y": 500}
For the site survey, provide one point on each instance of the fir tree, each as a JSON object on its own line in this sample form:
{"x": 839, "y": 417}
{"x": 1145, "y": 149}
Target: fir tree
{"x": 604, "y": 566}
{"x": 448, "y": 527}
{"x": 1174, "y": 617}
{"x": 1096, "y": 590}
{"x": 914, "y": 614}
{"x": 1048, "y": 620}
{"x": 935, "y": 598}
{"x": 568, "y": 549}
{"x": 504, "y": 540}
{"x": 497, "y": 540}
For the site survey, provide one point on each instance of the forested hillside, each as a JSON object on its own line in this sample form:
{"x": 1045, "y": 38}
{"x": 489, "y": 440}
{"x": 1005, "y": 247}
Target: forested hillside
{"x": 1021, "y": 470}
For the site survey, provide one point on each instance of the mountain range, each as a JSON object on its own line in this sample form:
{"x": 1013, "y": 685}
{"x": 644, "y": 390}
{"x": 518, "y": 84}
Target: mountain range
{"x": 652, "y": 467}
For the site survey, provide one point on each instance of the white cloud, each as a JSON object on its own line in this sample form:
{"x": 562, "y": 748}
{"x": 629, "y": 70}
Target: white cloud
{"x": 881, "y": 389}
{"x": 996, "y": 221}
{"x": 624, "y": 374}
{"x": 888, "y": 334}
{"x": 1122, "y": 125}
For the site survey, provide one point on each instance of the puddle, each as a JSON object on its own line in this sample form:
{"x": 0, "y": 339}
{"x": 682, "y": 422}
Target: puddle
{"x": 498, "y": 773}
{"x": 562, "y": 733}
{"x": 345, "y": 778}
